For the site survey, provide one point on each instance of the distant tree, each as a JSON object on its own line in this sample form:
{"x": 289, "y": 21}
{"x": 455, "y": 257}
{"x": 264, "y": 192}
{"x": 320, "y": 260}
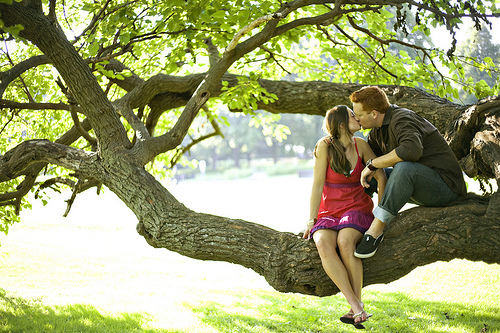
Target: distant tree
{"x": 481, "y": 55}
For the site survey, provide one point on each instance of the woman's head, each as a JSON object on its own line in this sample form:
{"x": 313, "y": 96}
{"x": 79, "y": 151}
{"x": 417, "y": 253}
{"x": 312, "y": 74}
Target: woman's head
{"x": 340, "y": 120}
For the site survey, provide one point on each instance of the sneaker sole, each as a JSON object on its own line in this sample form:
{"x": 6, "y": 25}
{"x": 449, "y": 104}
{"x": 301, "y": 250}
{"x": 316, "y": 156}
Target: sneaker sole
{"x": 364, "y": 256}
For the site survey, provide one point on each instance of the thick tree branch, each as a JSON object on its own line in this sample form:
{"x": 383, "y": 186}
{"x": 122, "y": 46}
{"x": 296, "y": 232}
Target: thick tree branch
{"x": 292, "y": 264}
{"x": 16, "y": 161}
{"x": 312, "y": 98}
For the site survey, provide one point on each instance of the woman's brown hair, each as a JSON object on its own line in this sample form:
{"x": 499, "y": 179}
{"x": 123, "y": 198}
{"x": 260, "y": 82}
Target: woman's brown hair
{"x": 336, "y": 121}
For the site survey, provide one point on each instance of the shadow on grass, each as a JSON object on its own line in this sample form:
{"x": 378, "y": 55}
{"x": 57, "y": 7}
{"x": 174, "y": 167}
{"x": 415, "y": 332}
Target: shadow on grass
{"x": 392, "y": 312}
{"x": 20, "y": 315}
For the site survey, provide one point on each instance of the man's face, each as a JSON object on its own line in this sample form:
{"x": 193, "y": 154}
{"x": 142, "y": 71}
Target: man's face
{"x": 354, "y": 124}
{"x": 364, "y": 118}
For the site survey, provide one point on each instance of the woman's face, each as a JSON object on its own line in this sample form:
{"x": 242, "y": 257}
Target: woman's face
{"x": 354, "y": 125}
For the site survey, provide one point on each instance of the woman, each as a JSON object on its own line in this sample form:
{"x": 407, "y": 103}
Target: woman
{"x": 340, "y": 210}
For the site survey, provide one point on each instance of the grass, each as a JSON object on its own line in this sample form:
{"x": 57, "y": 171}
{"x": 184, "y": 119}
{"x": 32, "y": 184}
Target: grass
{"x": 21, "y": 315}
{"x": 92, "y": 273}
{"x": 394, "y": 312}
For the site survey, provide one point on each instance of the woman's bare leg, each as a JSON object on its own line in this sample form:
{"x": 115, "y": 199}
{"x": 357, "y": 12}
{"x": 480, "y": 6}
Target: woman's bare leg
{"x": 347, "y": 239}
{"x": 326, "y": 242}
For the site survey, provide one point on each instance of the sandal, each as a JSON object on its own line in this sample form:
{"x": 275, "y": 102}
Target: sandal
{"x": 363, "y": 315}
{"x": 348, "y": 318}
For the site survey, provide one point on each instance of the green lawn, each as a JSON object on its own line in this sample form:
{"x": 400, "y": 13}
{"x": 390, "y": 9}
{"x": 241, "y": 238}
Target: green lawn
{"x": 92, "y": 273}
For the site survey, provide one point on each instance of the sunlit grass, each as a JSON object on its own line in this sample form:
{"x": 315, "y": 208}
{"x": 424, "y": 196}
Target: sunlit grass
{"x": 93, "y": 273}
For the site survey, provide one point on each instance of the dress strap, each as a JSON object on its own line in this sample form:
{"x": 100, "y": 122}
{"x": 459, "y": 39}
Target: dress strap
{"x": 356, "y": 145}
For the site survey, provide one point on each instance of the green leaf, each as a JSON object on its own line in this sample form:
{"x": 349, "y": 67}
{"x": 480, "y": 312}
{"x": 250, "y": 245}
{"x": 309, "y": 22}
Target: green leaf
{"x": 219, "y": 14}
{"x": 94, "y": 48}
{"x": 125, "y": 38}
{"x": 13, "y": 29}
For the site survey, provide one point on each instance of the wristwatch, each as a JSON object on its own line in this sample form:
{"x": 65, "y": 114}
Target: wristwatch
{"x": 370, "y": 166}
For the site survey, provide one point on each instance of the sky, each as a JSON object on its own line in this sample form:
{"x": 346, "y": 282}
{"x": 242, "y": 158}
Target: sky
{"x": 442, "y": 38}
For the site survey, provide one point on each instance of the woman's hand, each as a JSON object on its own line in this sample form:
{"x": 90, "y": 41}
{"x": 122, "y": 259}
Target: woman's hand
{"x": 307, "y": 232}
{"x": 310, "y": 224}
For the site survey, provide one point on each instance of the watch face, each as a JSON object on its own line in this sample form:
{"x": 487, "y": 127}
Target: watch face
{"x": 370, "y": 166}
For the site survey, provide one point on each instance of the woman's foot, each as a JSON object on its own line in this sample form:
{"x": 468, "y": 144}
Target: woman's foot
{"x": 348, "y": 318}
{"x": 361, "y": 317}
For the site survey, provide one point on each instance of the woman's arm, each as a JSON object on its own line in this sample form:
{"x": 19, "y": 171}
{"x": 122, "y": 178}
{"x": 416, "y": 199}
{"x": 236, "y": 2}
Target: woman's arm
{"x": 319, "y": 175}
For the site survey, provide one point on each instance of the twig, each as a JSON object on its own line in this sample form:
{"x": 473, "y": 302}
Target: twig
{"x": 73, "y": 197}
{"x": 250, "y": 27}
{"x": 366, "y": 52}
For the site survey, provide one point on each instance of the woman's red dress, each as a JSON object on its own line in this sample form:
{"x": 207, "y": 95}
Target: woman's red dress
{"x": 344, "y": 203}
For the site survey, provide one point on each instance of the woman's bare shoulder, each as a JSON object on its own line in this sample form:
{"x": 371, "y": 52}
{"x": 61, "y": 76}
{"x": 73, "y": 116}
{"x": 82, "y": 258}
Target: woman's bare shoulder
{"x": 321, "y": 146}
{"x": 360, "y": 141}
{"x": 363, "y": 146}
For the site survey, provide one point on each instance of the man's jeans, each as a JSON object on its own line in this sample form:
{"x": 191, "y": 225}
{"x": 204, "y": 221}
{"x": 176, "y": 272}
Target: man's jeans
{"x": 412, "y": 182}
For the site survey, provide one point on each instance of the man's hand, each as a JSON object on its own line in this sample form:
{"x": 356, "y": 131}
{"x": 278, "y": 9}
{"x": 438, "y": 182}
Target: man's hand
{"x": 366, "y": 176}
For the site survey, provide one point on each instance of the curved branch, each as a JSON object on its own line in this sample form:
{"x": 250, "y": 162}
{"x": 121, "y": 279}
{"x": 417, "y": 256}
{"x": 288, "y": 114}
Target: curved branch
{"x": 49, "y": 183}
{"x": 291, "y": 264}
{"x": 174, "y": 137}
{"x": 16, "y": 161}
{"x": 10, "y": 75}
{"x": 14, "y": 114}
{"x": 94, "y": 20}
{"x": 14, "y": 198}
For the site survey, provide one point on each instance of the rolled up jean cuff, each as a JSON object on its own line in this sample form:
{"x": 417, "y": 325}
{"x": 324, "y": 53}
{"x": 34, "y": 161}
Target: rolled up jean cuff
{"x": 383, "y": 215}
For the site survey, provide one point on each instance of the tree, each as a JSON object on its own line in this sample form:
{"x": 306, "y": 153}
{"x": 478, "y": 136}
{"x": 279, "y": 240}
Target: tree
{"x": 480, "y": 52}
{"x": 135, "y": 78}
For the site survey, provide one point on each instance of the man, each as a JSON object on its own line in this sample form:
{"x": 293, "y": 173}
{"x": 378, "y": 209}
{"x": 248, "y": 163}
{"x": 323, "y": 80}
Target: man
{"x": 425, "y": 170}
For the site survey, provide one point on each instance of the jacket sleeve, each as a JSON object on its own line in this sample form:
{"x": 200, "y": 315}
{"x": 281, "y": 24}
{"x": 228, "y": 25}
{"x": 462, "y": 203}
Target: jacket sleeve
{"x": 409, "y": 136}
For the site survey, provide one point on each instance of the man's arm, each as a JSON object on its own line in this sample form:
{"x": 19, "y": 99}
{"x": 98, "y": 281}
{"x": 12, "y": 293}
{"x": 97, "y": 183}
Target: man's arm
{"x": 388, "y": 160}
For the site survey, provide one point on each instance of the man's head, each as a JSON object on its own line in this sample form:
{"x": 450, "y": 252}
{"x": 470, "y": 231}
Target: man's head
{"x": 369, "y": 106}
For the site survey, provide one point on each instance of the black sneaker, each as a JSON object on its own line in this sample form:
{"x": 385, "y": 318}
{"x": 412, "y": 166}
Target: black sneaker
{"x": 368, "y": 246}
